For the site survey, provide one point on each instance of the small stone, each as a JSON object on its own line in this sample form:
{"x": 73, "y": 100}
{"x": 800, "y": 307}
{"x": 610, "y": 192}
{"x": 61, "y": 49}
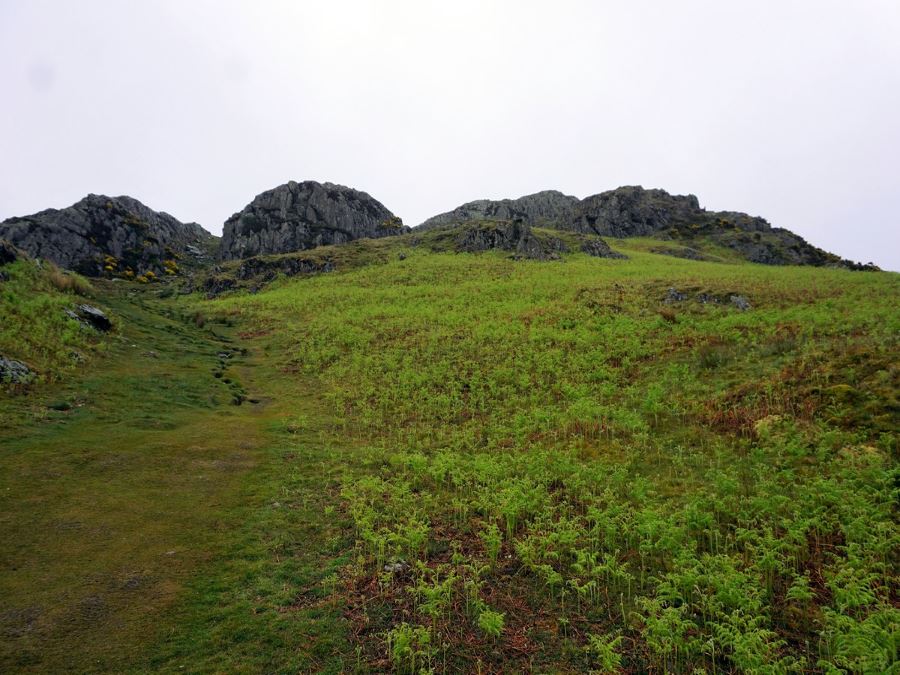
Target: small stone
{"x": 396, "y": 566}
{"x": 740, "y": 302}
{"x": 674, "y": 295}
{"x": 14, "y": 372}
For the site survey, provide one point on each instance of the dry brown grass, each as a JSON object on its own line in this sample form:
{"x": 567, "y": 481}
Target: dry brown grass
{"x": 67, "y": 282}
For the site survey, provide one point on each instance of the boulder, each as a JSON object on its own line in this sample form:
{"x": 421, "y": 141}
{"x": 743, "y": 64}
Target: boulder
{"x": 300, "y": 216}
{"x": 14, "y": 372}
{"x": 599, "y": 249}
{"x": 90, "y": 316}
{"x": 103, "y": 234}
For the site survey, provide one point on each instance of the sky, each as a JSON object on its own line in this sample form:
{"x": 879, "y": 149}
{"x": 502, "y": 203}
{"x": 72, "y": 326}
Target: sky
{"x": 786, "y": 109}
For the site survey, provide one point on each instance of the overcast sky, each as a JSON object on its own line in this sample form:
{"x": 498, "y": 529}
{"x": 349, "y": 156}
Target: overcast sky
{"x": 785, "y": 109}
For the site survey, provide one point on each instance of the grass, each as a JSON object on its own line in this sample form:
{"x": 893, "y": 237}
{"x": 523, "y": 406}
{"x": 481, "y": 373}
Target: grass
{"x": 139, "y": 505}
{"x": 665, "y": 473}
{"x": 464, "y": 463}
{"x": 35, "y": 329}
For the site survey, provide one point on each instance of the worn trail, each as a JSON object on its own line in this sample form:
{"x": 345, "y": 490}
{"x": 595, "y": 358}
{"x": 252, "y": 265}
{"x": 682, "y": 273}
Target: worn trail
{"x": 126, "y": 498}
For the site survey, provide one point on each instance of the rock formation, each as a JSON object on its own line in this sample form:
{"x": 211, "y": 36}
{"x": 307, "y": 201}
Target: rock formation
{"x": 542, "y": 208}
{"x": 632, "y": 211}
{"x": 103, "y": 234}
{"x": 300, "y": 216}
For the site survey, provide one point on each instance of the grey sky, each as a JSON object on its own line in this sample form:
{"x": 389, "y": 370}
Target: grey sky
{"x": 785, "y": 109}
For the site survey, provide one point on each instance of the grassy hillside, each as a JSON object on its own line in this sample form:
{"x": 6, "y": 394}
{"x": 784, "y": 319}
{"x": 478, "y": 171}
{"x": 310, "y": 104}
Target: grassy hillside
{"x": 35, "y": 328}
{"x": 562, "y": 471}
{"x": 465, "y": 463}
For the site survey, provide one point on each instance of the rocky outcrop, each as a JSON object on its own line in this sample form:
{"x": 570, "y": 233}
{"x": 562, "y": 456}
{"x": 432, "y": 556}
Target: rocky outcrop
{"x": 91, "y": 317}
{"x": 14, "y": 372}
{"x": 300, "y": 216}
{"x": 598, "y": 248}
{"x": 632, "y": 211}
{"x": 545, "y": 208}
{"x": 103, "y": 234}
{"x": 514, "y": 236}
{"x": 635, "y": 212}
{"x": 255, "y": 272}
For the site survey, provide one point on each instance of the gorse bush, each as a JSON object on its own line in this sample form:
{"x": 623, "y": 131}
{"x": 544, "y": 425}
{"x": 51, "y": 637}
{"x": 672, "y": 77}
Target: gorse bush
{"x": 577, "y": 483}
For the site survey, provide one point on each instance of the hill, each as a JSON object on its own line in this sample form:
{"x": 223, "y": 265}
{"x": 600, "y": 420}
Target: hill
{"x": 425, "y": 458}
{"x": 103, "y": 235}
{"x": 632, "y": 211}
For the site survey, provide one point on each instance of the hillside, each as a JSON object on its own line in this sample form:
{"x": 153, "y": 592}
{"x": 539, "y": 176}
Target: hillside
{"x": 400, "y": 455}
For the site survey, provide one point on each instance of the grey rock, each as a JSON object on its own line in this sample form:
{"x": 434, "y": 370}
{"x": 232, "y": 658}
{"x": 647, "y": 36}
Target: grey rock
{"x": 14, "y": 372}
{"x": 600, "y": 249}
{"x": 91, "y": 317}
{"x": 515, "y": 237}
{"x": 545, "y": 208}
{"x": 81, "y": 236}
{"x": 632, "y": 211}
{"x": 95, "y": 317}
{"x": 289, "y": 266}
{"x": 216, "y": 286}
{"x": 674, "y": 295}
{"x": 396, "y": 567}
{"x": 740, "y": 302}
{"x": 300, "y": 216}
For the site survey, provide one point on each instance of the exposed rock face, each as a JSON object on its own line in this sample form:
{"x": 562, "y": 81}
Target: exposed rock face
{"x": 514, "y": 236}
{"x": 81, "y": 236}
{"x": 300, "y": 216}
{"x": 635, "y": 212}
{"x": 260, "y": 271}
{"x": 632, "y": 211}
{"x": 508, "y": 236}
{"x": 542, "y": 208}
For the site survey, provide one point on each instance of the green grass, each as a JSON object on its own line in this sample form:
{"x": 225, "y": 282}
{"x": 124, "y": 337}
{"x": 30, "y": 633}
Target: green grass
{"x": 34, "y": 328}
{"x": 151, "y": 525}
{"x": 668, "y": 479}
{"x": 465, "y": 463}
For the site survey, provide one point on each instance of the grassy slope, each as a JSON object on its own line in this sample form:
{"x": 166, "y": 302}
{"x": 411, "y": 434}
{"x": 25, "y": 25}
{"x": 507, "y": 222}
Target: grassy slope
{"x": 695, "y": 487}
{"x": 34, "y": 328}
{"x": 432, "y": 409}
{"x": 138, "y": 526}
